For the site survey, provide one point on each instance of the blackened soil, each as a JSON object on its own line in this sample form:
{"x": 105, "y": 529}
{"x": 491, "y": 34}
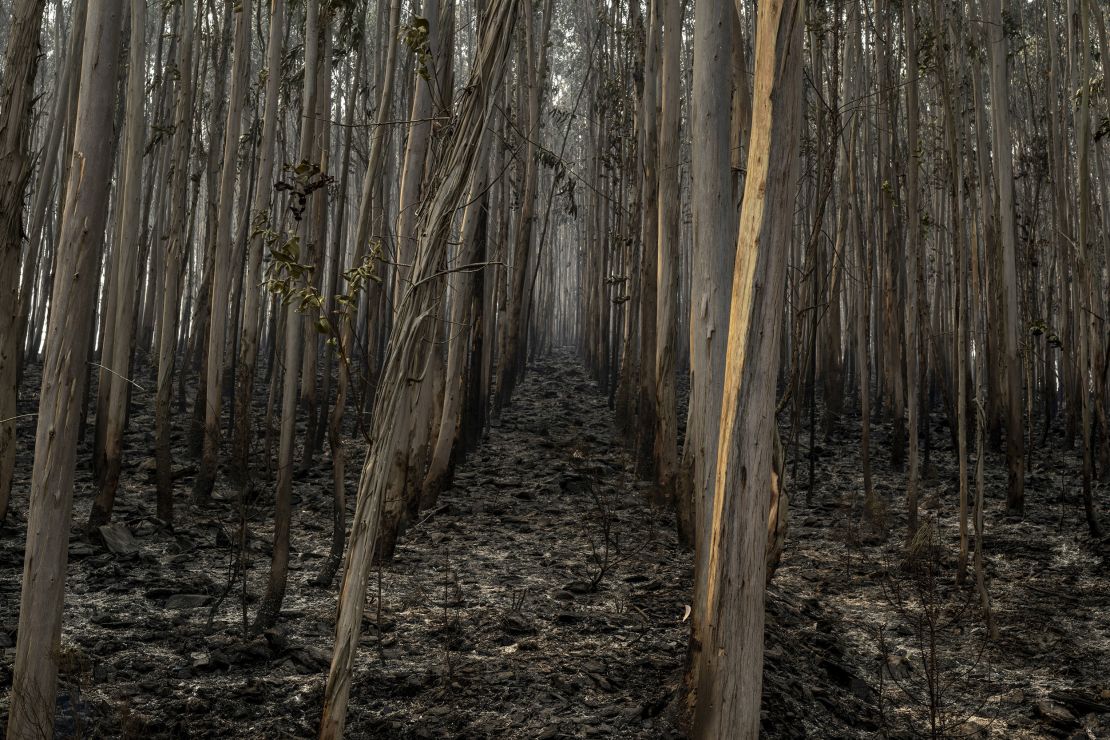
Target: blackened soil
{"x": 542, "y": 598}
{"x": 1046, "y": 674}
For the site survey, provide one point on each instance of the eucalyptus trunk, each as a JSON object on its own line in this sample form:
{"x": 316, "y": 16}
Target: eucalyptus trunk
{"x": 730, "y": 669}
{"x": 34, "y": 684}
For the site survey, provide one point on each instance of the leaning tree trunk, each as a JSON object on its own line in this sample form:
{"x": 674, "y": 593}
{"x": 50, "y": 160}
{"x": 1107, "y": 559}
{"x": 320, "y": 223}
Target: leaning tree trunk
{"x": 31, "y": 715}
{"x": 416, "y": 307}
{"x": 729, "y": 676}
{"x": 458, "y": 331}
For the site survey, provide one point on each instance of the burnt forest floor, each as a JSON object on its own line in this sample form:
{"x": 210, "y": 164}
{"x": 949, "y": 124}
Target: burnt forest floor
{"x": 1047, "y": 673}
{"x": 544, "y": 598}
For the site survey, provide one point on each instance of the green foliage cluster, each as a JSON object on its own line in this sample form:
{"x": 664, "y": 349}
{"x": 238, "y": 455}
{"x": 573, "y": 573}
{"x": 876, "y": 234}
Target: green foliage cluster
{"x": 1040, "y": 328}
{"x": 415, "y": 35}
{"x": 289, "y": 278}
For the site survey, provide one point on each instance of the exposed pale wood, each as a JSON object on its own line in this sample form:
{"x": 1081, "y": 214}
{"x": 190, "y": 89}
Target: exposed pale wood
{"x": 731, "y": 665}
{"x": 714, "y": 250}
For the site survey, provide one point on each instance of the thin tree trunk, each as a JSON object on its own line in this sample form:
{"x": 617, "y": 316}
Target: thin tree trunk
{"x": 294, "y": 327}
{"x": 175, "y": 258}
{"x": 370, "y": 184}
{"x": 415, "y": 308}
{"x": 511, "y": 363}
{"x": 17, "y": 84}
{"x": 669, "y": 205}
{"x": 315, "y": 249}
{"x": 913, "y": 220}
{"x": 120, "y": 325}
{"x": 222, "y": 261}
{"x": 260, "y": 228}
{"x": 731, "y": 667}
{"x": 1004, "y": 175}
{"x": 714, "y": 252}
{"x": 1086, "y": 316}
{"x": 42, "y": 204}
{"x": 31, "y": 714}
{"x": 649, "y": 235}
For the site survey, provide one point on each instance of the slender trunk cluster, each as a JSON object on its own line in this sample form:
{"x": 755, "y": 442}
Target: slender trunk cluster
{"x": 883, "y": 222}
{"x": 382, "y": 473}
